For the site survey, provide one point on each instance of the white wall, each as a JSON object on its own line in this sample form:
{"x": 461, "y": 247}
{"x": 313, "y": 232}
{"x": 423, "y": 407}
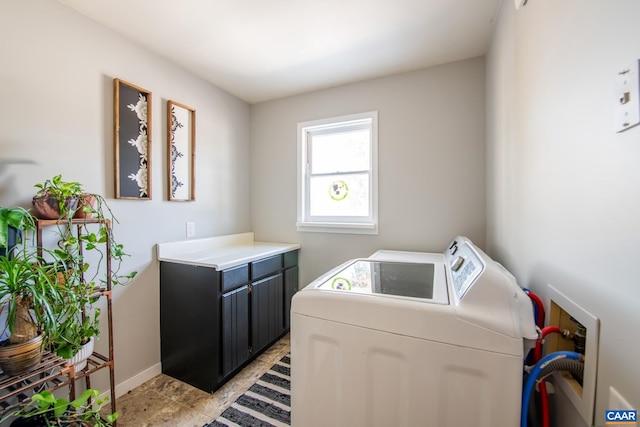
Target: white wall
{"x": 563, "y": 186}
{"x": 431, "y": 163}
{"x": 56, "y": 85}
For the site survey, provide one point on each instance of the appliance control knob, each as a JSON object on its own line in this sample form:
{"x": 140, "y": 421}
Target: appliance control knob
{"x": 457, "y": 263}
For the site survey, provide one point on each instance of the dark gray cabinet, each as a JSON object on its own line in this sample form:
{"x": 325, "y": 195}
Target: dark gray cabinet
{"x": 290, "y": 288}
{"x": 212, "y": 322}
{"x": 190, "y": 324}
{"x": 235, "y": 342}
{"x": 266, "y": 311}
{"x": 290, "y": 285}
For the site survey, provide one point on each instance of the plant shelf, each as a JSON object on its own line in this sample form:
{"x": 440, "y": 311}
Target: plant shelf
{"x": 53, "y": 372}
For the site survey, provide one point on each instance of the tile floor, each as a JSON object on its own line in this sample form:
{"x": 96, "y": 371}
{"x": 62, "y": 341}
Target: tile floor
{"x": 166, "y": 402}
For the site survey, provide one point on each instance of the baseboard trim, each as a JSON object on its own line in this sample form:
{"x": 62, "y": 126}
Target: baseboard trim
{"x": 137, "y": 380}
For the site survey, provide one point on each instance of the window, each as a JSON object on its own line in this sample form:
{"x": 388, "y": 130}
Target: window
{"x": 337, "y": 174}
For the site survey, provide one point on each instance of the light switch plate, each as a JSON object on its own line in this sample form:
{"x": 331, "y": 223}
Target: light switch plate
{"x": 627, "y": 91}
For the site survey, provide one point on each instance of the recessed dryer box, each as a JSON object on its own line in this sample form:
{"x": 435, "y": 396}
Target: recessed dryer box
{"x": 566, "y": 314}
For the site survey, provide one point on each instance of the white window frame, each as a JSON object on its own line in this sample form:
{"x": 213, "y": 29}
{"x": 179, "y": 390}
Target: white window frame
{"x": 328, "y": 224}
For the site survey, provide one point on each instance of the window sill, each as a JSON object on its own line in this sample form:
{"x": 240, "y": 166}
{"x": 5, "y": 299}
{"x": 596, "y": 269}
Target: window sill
{"x": 338, "y": 227}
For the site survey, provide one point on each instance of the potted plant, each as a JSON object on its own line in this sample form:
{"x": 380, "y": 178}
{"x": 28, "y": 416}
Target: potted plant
{"x": 86, "y": 204}
{"x": 84, "y": 245}
{"x": 28, "y": 296}
{"x": 47, "y": 410}
{"x": 56, "y": 198}
{"x": 68, "y": 197}
{"x": 13, "y": 221}
{"x": 78, "y": 322}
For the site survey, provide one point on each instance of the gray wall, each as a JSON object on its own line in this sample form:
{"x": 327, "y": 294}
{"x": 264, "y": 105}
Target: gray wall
{"x": 56, "y": 87}
{"x": 563, "y": 186}
{"x": 431, "y": 163}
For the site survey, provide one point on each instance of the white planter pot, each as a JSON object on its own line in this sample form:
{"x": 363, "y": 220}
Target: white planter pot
{"x": 80, "y": 358}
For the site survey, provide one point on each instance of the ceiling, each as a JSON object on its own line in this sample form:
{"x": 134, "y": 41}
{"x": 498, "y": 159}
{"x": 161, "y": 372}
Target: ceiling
{"x": 260, "y": 50}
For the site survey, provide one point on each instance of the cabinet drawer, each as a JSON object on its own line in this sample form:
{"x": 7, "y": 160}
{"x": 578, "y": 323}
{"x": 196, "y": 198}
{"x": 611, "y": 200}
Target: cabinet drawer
{"x": 290, "y": 259}
{"x": 266, "y": 266}
{"x": 234, "y": 277}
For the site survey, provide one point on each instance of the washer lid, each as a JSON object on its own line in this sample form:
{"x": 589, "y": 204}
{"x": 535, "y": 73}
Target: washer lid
{"x": 388, "y": 278}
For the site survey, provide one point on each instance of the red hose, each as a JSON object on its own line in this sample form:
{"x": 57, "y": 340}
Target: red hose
{"x": 537, "y": 355}
{"x": 544, "y": 396}
{"x": 549, "y": 329}
{"x": 544, "y": 404}
{"x": 540, "y": 306}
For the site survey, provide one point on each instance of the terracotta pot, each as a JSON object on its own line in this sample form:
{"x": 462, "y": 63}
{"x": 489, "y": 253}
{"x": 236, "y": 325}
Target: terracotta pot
{"x": 85, "y": 200}
{"x": 47, "y": 207}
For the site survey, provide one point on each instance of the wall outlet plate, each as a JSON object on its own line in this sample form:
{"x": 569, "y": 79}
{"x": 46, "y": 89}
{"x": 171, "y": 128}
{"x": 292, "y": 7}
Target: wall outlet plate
{"x": 191, "y": 229}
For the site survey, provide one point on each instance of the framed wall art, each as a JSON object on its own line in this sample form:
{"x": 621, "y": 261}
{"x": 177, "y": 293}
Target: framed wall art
{"x": 132, "y": 120}
{"x": 181, "y": 149}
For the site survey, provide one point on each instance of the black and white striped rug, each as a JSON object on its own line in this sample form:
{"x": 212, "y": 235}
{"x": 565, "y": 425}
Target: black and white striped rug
{"x": 267, "y": 403}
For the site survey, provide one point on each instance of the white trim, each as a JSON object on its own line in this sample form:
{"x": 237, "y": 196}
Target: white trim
{"x": 370, "y": 224}
{"x": 338, "y": 227}
{"x": 138, "y": 379}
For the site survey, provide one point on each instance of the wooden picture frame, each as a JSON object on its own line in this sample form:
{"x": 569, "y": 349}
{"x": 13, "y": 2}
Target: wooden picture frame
{"x": 132, "y": 140}
{"x": 181, "y": 151}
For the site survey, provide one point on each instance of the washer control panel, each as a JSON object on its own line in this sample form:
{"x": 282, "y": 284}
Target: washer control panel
{"x": 465, "y": 266}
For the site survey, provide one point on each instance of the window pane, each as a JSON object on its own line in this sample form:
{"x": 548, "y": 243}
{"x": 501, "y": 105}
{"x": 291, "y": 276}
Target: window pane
{"x": 339, "y": 195}
{"x": 340, "y": 152}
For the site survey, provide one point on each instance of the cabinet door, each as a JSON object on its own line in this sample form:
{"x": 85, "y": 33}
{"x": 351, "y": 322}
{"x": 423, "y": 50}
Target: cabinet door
{"x": 290, "y": 288}
{"x": 189, "y": 324}
{"x": 235, "y": 329}
{"x": 266, "y": 311}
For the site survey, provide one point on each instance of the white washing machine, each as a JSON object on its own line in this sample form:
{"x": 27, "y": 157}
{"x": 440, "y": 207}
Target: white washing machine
{"x": 411, "y": 339}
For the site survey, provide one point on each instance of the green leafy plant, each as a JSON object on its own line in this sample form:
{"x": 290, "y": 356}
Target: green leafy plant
{"x": 51, "y": 411}
{"x": 59, "y": 188}
{"x": 16, "y": 217}
{"x": 57, "y": 198}
{"x": 87, "y": 245}
{"x": 29, "y": 295}
{"x": 97, "y": 239}
{"x": 77, "y": 318}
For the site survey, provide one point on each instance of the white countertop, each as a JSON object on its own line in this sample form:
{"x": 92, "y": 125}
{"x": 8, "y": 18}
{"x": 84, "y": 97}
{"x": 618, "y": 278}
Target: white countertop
{"x": 221, "y": 252}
